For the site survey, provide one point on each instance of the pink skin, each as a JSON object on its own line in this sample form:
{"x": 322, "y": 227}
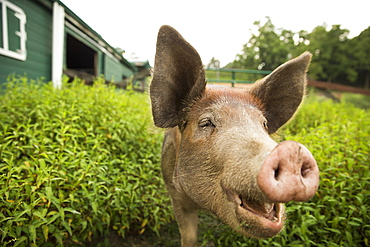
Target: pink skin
{"x": 289, "y": 173}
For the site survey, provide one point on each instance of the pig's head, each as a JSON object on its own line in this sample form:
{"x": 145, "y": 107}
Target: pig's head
{"x": 226, "y": 161}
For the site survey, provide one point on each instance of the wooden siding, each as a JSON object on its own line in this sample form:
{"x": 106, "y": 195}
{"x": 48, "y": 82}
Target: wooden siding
{"x": 38, "y": 62}
{"x": 38, "y": 44}
{"x": 115, "y": 71}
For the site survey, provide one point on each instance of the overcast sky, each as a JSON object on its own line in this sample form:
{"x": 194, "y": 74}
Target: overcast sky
{"x": 215, "y": 28}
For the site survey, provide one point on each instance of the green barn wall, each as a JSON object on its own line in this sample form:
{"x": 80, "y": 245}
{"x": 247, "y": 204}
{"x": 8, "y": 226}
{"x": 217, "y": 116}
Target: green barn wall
{"x": 38, "y": 44}
{"x": 115, "y": 71}
{"x": 38, "y": 63}
{"x": 101, "y": 63}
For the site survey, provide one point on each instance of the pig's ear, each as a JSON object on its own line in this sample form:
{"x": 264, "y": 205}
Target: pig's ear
{"x": 178, "y": 78}
{"x": 282, "y": 91}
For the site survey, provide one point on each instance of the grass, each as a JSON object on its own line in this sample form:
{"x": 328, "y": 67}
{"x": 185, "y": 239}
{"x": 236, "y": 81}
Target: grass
{"x": 224, "y": 75}
{"x": 360, "y": 101}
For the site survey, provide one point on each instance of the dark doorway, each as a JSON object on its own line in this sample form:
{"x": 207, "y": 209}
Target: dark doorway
{"x": 80, "y": 57}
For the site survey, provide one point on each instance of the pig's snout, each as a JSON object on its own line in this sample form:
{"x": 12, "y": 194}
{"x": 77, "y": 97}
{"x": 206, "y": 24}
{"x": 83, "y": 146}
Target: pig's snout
{"x": 289, "y": 173}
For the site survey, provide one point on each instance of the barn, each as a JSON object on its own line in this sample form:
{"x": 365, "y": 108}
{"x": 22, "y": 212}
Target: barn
{"x": 45, "y": 39}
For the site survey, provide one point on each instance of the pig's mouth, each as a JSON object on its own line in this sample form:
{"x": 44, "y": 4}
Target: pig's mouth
{"x": 269, "y": 211}
{"x": 266, "y": 217}
{"x": 257, "y": 218}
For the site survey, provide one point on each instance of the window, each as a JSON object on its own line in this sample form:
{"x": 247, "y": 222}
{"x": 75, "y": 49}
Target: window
{"x": 12, "y": 31}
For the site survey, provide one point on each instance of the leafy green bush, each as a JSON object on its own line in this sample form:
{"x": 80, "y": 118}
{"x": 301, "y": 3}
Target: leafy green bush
{"x": 76, "y": 163}
{"x": 79, "y": 162}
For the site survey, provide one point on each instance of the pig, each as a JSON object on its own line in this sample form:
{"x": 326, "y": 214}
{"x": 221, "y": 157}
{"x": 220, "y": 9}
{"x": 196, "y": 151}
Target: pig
{"x": 217, "y": 153}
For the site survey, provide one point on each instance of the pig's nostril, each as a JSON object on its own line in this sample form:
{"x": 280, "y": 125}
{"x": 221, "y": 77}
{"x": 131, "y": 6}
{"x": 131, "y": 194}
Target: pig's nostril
{"x": 305, "y": 170}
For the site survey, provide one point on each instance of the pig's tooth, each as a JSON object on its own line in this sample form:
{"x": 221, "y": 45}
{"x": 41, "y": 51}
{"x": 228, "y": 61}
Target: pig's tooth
{"x": 239, "y": 200}
{"x": 269, "y": 207}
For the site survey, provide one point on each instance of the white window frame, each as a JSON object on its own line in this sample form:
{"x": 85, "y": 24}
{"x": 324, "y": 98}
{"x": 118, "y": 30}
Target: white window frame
{"x": 20, "y": 54}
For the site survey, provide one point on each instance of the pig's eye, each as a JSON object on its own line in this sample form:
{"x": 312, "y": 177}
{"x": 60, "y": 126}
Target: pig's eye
{"x": 183, "y": 125}
{"x": 204, "y": 123}
{"x": 265, "y": 125}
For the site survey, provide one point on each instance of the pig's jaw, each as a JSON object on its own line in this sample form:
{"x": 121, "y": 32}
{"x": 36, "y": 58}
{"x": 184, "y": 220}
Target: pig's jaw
{"x": 266, "y": 216}
{"x": 256, "y": 219}
{"x": 266, "y": 210}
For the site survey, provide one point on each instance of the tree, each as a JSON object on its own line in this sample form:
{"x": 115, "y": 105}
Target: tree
{"x": 214, "y": 63}
{"x": 267, "y": 49}
{"x": 336, "y": 58}
{"x": 360, "y": 56}
{"x": 331, "y": 55}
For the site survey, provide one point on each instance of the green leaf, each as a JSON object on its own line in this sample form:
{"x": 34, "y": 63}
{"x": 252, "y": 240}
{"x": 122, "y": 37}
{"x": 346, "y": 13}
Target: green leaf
{"x": 27, "y": 211}
{"x": 40, "y": 215}
{"x": 73, "y": 211}
{"x": 67, "y": 227}
{"x": 20, "y": 241}
{"x": 94, "y": 206}
{"x": 32, "y": 232}
{"x": 57, "y": 234}
{"x": 49, "y": 194}
{"x": 45, "y": 232}
{"x": 334, "y": 230}
{"x": 54, "y": 215}
{"x": 42, "y": 164}
{"x": 6, "y": 219}
{"x": 349, "y": 238}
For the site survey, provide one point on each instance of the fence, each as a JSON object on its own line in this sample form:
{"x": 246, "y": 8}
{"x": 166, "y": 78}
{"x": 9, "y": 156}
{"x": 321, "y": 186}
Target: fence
{"x": 234, "y": 76}
{"x": 242, "y": 76}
